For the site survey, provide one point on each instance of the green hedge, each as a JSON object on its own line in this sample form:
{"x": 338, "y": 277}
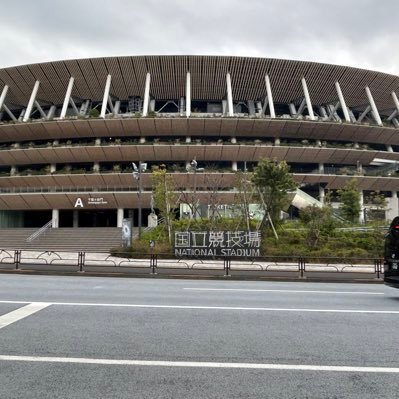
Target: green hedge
{"x": 291, "y": 242}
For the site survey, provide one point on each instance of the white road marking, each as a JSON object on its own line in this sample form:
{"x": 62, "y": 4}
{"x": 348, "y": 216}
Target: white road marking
{"x": 286, "y": 291}
{"x": 161, "y": 363}
{"x": 21, "y": 313}
{"x": 193, "y": 307}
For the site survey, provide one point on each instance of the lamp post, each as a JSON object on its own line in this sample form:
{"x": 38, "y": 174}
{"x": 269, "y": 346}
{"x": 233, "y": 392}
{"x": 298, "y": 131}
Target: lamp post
{"x": 193, "y": 167}
{"x": 137, "y": 175}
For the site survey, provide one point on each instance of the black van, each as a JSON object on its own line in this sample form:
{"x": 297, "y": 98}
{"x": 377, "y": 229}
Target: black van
{"x": 391, "y": 255}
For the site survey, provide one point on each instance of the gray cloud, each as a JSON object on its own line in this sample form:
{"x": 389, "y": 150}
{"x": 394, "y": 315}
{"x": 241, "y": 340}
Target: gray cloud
{"x": 361, "y": 33}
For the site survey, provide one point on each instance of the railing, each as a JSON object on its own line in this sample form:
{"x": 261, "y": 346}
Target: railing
{"x": 94, "y": 189}
{"x": 159, "y": 221}
{"x": 39, "y": 232}
{"x": 167, "y": 264}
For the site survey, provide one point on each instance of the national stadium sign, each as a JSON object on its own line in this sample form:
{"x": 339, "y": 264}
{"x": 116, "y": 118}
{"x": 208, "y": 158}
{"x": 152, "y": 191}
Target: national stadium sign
{"x": 217, "y": 243}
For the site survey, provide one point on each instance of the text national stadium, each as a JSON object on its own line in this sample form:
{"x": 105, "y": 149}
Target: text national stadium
{"x": 70, "y": 131}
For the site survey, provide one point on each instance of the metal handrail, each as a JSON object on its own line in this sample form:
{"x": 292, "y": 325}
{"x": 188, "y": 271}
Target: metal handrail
{"x": 39, "y": 232}
{"x": 160, "y": 221}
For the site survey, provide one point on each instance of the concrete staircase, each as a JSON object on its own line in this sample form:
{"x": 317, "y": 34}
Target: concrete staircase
{"x": 93, "y": 239}
{"x": 14, "y": 238}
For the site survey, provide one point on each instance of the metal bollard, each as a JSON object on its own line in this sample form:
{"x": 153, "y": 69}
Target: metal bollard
{"x": 154, "y": 263}
{"x": 301, "y": 266}
{"x": 17, "y": 258}
{"x": 226, "y": 265}
{"x": 377, "y": 267}
{"x": 81, "y": 260}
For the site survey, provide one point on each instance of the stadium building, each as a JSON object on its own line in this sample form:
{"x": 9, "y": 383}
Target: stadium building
{"x": 70, "y": 130}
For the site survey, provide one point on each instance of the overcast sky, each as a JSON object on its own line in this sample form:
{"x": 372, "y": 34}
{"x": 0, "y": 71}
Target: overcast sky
{"x": 360, "y": 33}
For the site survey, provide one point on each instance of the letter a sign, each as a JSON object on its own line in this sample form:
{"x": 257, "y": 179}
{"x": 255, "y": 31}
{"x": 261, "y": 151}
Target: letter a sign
{"x": 79, "y": 203}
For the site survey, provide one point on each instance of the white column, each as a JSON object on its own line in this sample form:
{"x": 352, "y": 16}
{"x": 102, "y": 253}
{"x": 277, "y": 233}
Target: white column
{"x": 301, "y": 108}
{"x": 234, "y": 167}
{"x": 364, "y": 113}
{"x": 73, "y": 105}
{"x": 277, "y": 141}
{"x": 373, "y": 107}
{"x": 53, "y": 168}
{"x": 361, "y": 214}
{"x": 321, "y": 168}
{"x": 51, "y": 112}
{"x": 10, "y": 114}
{"x": 96, "y": 167}
{"x": 111, "y": 106}
{"x": 393, "y": 206}
{"x": 67, "y": 97}
{"x": 3, "y": 96}
{"x": 120, "y": 217}
{"x": 394, "y": 97}
{"x": 182, "y": 106}
{"x": 117, "y": 107}
{"x": 389, "y": 147}
{"x": 342, "y": 101}
{"x": 75, "y": 218}
{"x": 259, "y": 107}
{"x": 265, "y": 104}
{"x": 322, "y": 194}
{"x": 40, "y": 109}
{"x": 55, "y": 218}
{"x": 270, "y": 97}
{"x": 146, "y": 94}
{"x": 292, "y": 108}
{"x": 307, "y": 97}
{"x": 21, "y": 115}
{"x": 13, "y": 171}
{"x": 251, "y": 107}
{"x": 392, "y": 116}
{"x": 105, "y": 98}
{"x": 230, "y": 110}
{"x": 224, "y": 107}
{"x": 323, "y": 112}
{"x": 31, "y": 101}
{"x": 188, "y": 95}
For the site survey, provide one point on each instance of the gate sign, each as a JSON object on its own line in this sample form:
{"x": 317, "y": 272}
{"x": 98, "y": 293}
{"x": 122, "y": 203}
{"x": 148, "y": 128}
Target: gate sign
{"x": 127, "y": 232}
{"x": 217, "y": 243}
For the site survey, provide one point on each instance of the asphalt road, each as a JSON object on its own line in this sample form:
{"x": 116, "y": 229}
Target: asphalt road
{"x": 81, "y": 337}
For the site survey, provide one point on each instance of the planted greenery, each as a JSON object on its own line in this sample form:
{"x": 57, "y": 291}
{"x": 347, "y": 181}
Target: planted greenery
{"x": 294, "y": 239}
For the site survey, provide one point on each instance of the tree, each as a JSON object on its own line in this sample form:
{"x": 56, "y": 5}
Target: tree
{"x": 165, "y": 197}
{"x": 377, "y": 205}
{"x": 243, "y": 197}
{"x": 318, "y": 222}
{"x": 273, "y": 182}
{"x": 212, "y": 183}
{"x": 349, "y": 195}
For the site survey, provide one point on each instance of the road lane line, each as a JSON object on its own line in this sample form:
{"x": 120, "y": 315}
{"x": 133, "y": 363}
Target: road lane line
{"x": 220, "y": 365}
{"x": 285, "y": 291}
{"x": 194, "y": 307}
{"x": 21, "y": 313}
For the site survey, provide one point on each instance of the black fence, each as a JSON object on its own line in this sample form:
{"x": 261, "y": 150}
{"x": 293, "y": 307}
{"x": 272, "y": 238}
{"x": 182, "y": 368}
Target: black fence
{"x": 165, "y": 264}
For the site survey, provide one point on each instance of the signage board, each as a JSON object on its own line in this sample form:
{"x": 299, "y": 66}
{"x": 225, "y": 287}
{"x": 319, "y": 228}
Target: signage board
{"x": 217, "y": 243}
{"x": 127, "y": 232}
